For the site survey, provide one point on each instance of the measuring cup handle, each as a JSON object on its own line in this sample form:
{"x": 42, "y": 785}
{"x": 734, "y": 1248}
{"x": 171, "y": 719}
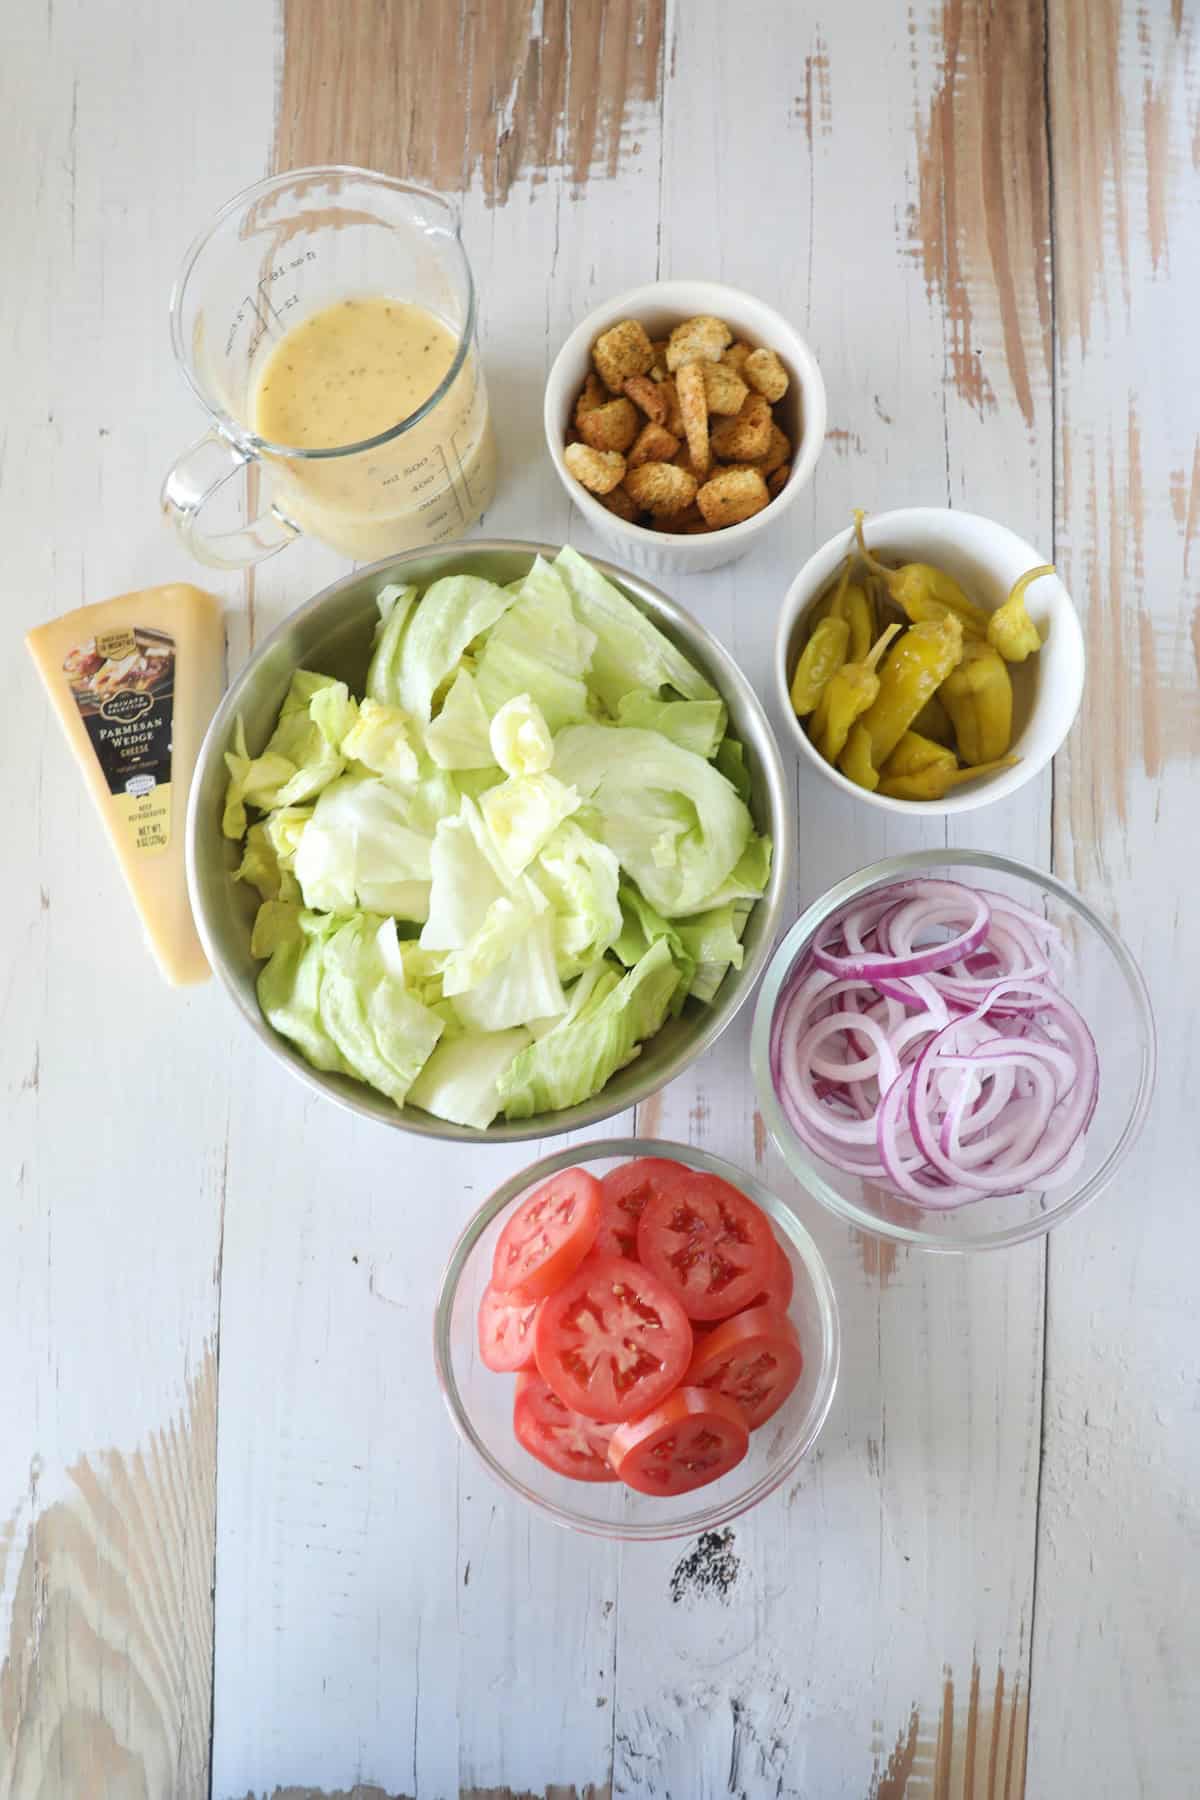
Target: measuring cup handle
{"x": 193, "y": 481}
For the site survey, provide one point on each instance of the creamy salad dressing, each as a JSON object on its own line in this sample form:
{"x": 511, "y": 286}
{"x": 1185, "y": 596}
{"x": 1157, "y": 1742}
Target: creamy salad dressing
{"x": 350, "y": 372}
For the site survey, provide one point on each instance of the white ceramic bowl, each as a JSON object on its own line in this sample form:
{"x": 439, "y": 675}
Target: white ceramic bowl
{"x": 987, "y": 559}
{"x": 659, "y": 306}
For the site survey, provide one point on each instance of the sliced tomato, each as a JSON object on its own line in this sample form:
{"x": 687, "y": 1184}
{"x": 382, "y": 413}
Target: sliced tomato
{"x": 711, "y": 1245}
{"x": 547, "y": 1237}
{"x": 564, "y": 1440}
{"x": 781, "y": 1283}
{"x": 693, "y": 1438}
{"x": 754, "y": 1359}
{"x": 613, "y": 1341}
{"x": 506, "y": 1331}
{"x": 626, "y": 1191}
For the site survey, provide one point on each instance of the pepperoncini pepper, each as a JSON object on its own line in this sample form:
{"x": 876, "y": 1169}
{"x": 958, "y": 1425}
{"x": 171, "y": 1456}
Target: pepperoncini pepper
{"x": 935, "y": 781}
{"x": 1010, "y": 630}
{"x": 978, "y": 696}
{"x": 933, "y": 721}
{"x": 916, "y": 668}
{"x": 915, "y": 753}
{"x": 848, "y": 696}
{"x": 853, "y": 605}
{"x": 855, "y": 760}
{"x": 923, "y": 592}
{"x": 821, "y": 658}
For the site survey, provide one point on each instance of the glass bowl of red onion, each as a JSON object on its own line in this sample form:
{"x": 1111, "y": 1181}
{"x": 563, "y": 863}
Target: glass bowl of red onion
{"x": 953, "y": 1050}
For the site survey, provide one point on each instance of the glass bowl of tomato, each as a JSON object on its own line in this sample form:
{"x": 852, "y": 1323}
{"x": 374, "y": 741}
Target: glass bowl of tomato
{"x": 637, "y": 1338}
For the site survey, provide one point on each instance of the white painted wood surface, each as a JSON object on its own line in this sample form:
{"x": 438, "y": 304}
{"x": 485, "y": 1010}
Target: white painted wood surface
{"x": 1000, "y": 1522}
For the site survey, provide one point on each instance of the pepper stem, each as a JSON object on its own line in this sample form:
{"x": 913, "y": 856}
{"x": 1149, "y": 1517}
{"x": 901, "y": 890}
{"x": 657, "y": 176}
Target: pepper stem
{"x": 870, "y": 662}
{"x": 873, "y": 563}
{"x": 1025, "y": 580}
{"x": 987, "y": 768}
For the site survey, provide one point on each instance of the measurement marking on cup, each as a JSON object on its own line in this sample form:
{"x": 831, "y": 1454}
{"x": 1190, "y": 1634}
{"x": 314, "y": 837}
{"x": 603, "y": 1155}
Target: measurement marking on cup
{"x": 441, "y": 449}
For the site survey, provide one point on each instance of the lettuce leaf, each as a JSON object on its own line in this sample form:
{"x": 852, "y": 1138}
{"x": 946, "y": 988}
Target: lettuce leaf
{"x": 579, "y": 877}
{"x": 381, "y": 739}
{"x": 453, "y": 612}
{"x": 458, "y": 737}
{"x": 520, "y": 738}
{"x": 302, "y": 755}
{"x": 539, "y": 649}
{"x": 368, "y": 846}
{"x": 383, "y": 1033}
{"x": 746, "y": 880}
{"x": 577, "y": 1057}
{"x": 395, "y": 603}
{"x": 459, "y": 1082}
{"x": 630, "y": 652}
{"x": 523, "y": 814}
{"x": 641, "y": 927}
{"x": 672, "y": 821}
{"x": 695, "y": 725}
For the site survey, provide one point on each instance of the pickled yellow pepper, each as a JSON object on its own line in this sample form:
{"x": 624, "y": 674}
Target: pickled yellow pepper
{"x": 935, "y": 781}
{"x": 821, "y": 658}
{"x": 979, "y": 698}
{"x": 848, "y": 696}
{"x": 915, "y": 753}
{"x": 923, "y": 592}
{"x": 1010, "y": 630}
{"x": 855, "y": 760}
{"x": 916, "y": 669}
{"x": 853, "y": 605}
{"x": 933, "y": 721}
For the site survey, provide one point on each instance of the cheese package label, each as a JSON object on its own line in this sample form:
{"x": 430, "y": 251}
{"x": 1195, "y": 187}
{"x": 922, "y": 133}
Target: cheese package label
{"x": 134, "y": 682}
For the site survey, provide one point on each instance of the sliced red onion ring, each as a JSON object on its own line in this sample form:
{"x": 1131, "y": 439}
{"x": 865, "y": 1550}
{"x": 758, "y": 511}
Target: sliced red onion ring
{"x": 925, "y": 1043}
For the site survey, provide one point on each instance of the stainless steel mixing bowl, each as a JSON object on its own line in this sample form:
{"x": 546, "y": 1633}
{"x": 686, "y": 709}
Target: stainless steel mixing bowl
{"x": 332, "y": 633}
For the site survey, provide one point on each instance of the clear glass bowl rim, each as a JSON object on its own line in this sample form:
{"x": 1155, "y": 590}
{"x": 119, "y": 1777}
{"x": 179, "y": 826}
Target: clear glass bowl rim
{"x": 826, "y": 1327}
{"x": 808, "y": 1171}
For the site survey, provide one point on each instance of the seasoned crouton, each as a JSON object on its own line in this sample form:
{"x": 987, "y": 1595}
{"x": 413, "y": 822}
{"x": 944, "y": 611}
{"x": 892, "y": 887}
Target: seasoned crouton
{"x": 724, "y": 388}
{"x": 599, "y": 471}
{"x": 747, "y": 435}
{"x": 689, "y": 384}
{"x": 647, "y": 394}
{"x": 660, "y": 488}
{"x": 654, "y": 443}
{"x": 778, "y": 480}
{"x": 592, "y": 394}
{"x": 766, "y": 374}
{"x": 610, "y": 427}
{"x": 701, "y": 339}
{"x": 731, "y": 496}
{"x": 735, "y": 357}
{"x": 624, "y": 349}
{"x": 618, "y": 501}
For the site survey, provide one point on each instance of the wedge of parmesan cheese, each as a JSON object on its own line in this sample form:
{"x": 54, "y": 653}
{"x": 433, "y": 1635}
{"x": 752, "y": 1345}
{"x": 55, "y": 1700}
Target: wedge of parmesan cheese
{"x": 134, "y": 682}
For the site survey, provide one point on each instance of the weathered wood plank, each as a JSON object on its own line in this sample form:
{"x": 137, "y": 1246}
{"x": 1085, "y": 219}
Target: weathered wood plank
{"x": 1116, "y": 1645}
{"x": 113, "y": 1095}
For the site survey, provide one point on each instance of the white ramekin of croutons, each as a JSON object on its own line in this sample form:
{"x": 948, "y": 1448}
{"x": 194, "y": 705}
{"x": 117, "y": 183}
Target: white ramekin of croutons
{"x": 683, "y": 418}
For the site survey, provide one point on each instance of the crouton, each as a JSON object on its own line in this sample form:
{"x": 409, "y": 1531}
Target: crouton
{"x": 731, "y": 496}
{"x": 610, "y": 427}
{"x": 701, "y": 339}
{"x": 600, "y": 471}
{"x": 624, "y": 349}
{"x": 660, "y": 488}
{"x": 766, "y": 374}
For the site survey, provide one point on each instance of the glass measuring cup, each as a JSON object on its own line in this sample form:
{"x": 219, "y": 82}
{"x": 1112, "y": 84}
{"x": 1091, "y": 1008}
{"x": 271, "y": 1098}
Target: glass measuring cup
{"x": 274, "y": 255}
